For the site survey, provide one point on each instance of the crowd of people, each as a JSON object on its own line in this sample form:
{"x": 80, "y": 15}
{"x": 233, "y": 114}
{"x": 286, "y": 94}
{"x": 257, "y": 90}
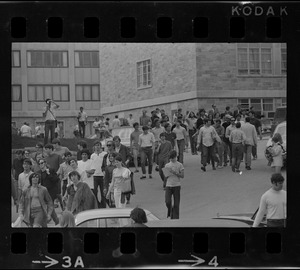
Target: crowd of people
{"x": 53, "y": 178}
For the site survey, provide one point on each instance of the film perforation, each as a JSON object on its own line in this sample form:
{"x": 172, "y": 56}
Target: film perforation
{"x": 128, "y": 243}
{"x": 200, "y": 242}
{"x": 273, "y": 242}
{"x": 18, "y": 243}
{"x": 55, "y": 27}
{"x": 91, "y": 243}
{"x": 55, "y": 242}
{"x": 128, "y": 27}
{"x": 18, "y": 27}
{"x": 237, "y": 243}
{"x": 164, "y": 27}
{"x": 91, "y": 27}
{"x": 164, "y": 243}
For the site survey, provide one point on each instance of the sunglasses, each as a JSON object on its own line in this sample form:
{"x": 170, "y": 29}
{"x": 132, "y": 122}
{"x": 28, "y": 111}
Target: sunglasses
{"x": 41, "y": 163}
{"x": 109, "y": 145}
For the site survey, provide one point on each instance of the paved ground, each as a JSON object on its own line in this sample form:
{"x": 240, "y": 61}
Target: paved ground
{"x": 204, "y": 194}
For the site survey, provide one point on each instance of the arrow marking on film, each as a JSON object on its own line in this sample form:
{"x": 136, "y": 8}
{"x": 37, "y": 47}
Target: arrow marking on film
{"x": 197, "y": 261}
{"x": 50, "y": 263}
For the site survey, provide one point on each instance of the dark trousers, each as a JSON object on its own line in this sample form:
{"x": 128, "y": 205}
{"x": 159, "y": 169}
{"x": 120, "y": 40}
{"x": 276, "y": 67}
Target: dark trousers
{"x": 49, "y": 127}
{"x": 180, "y": 144}
{"x": 237, "y": 154}
{"x": 64, "y": 187}
{"x": 276, "y": 223}
{"x": 146, "y": 153}
{"x": 192, "y": 141}
{"x": 81, "y": 125}
{"x": 161, "y": 164}
{"x": 173, "y": 210}
{"x": 208, "y": 152}
{"x": 229, "y": 147}
{"x": 254, "y": 151}
{"x": 99, "y": 182}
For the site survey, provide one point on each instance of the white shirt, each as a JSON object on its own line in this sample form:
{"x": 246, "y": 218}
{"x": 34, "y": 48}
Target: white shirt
{"x": 180, "y": 132}
{"x": 23, "y": 180}
{"x": 49, "y": 115}
{"x": 97, "y": 160}
{"x": 207, "y": 134}
{"x": 86, "y": 166}
{"x": 116, "y": 123}
{"x": 83, "y": 116}
{"x": 146, "y": 140}
{"x": 130, "y": 121}
{"x": 25, "y": 131}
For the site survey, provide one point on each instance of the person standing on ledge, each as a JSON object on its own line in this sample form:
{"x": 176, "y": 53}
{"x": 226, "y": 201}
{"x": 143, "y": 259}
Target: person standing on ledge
{"x": 50, "y": 119}
{"x": 82, "y": 121}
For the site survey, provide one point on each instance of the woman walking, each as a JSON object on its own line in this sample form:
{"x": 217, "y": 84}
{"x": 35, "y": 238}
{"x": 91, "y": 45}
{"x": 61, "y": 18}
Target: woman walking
{"x": 277, "y": 152}
{"x": 191, "y": 121}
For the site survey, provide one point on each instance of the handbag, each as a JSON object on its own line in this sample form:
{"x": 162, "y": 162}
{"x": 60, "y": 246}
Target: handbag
{"x": 126, "y": 186}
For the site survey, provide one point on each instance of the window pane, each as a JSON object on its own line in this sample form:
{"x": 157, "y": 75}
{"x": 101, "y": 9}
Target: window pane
{"x": 77, "y": 62}
{"x": 31, "y": 93}
{"x": 95, "y": 59}
{"x": 29, "y": 59}
{"x": 95, "y": 92}
{"x": 79, "y": 92}
{"x": 65, "y": 59}
{"x": 87, "y": 92}
{"x": 86, "y": 59}
{"x": 56, "y": 93}
{"x": 64, "y": 93}
{"x": 48, "y": 92}
{"x": 283, "y": 61}
{"x": 47, "y": 59}
{"x": 55, "y": 59}
{"x": 40, "y": 93}
{"x": 266, "y": 59}
{"x": 16, "y": 59}
{"x": 254, "y": 60}
{"x": 38, "y": 59}
{"x": 16, "y": 93}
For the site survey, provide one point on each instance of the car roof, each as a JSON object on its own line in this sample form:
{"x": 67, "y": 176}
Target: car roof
{"x": 104, "y": 213}
{"x": 195, "y": 223}
{"x": 281, "y": 124}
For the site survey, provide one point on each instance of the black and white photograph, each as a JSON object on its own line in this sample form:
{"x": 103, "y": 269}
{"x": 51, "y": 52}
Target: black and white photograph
{"x": 112, "y": 135}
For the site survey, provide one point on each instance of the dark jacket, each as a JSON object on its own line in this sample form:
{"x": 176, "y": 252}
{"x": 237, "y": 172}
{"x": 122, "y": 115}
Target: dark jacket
{"x": 125, "y": 153}
{"x": 50, "y": 181}
{"x": 45, "y": 200}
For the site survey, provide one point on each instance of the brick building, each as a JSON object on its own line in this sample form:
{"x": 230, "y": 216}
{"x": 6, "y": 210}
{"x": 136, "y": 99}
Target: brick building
{"x": 122, "y": 78}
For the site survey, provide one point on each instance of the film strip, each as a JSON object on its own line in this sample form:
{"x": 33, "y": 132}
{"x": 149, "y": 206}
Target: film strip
{"x": 153, "y": 22}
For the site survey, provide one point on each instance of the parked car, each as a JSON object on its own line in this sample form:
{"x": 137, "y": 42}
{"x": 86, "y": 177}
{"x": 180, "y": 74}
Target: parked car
{"x": 281, "y": 129}
{"x": 279, "y": 116}
{"x": 107, "y": 218}
{"x": 246, "y": 218}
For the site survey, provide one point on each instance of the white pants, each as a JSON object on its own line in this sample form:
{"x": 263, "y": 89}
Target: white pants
{"x": 117, "y": 196}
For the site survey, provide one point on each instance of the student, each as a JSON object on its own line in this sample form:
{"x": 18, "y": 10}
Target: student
{"x": 173, "y": 185}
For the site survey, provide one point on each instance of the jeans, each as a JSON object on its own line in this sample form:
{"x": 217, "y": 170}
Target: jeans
{"x": 161, "y": 164}
{"x": 99, "y": 182}
{"x": 237, "y": 154}
{"x": 220, "y": 150}
{"x": 208, "y": 151}
{"x": 173, "y": 211}
{"x": 180, "y": 144}
{"x": 146, "y": 152}
{"x": 81, "y": 125}
{"x": 37, "y": 217}
{"x": 192, "y": 141}
{"x": 49, "y": 127}
{"x": 247, "y": 152}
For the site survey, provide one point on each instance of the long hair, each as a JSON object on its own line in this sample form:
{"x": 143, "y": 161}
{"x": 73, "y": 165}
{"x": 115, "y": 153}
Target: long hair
{"x": 138, "y": 215}
{"x": 34, "y": 175}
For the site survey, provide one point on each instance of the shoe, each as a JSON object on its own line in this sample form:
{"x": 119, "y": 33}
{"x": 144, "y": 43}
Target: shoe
{"x": 136, "y": 171}
{"x": 220, "y": 167}
{"x": 225, "y": 164}
{"x": 233, "y": 168}
{"x": 150, "y": 176}
{"x": 203, "y": 168}
{"x": 128, "y": 202}
{"x": 237, "y": 171}
{"x": 248, "y": 168}
{"x": 143, "y": 177}
{"x": 214, "y": 168}
{"x": 157, "y": 168}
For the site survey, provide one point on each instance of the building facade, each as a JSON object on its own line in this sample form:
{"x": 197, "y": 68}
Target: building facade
{"x": 121, "y": 78}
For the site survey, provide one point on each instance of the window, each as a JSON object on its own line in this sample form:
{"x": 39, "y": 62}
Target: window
{"x": 47, "y": 59}
{"x": 144, "y": 74}
{"x": 42, "y": 92}
{"x": 259, "y": 104}
{"x": 87, "y": 93}
{"x": 254, "y": 59}
{"x": 283, "y": 59}
{"x": 283, "y": 102}
{"x": 268, "y": 105}
{"x": 87, "y": 59}
{"x": 16, "y": 93}
{"x": 15, "y": 59}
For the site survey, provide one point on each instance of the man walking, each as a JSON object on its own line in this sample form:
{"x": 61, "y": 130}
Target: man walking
{"x": 146, "y": 143}
{"x": 273, "y": 203}
{"x": 82, "y": 121}
{"x": 145, "y": 119}
{"x": 50, "y": 119}
{"x": 254, "y": 121}
{"x": 134, "y": 144}
{"x": 181, "y": 138}
{"x": 206, "y": 139}
{"x": 251, "y": 141}
{"x": 237, "y": 139}
{"x": 228, "y": 131}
